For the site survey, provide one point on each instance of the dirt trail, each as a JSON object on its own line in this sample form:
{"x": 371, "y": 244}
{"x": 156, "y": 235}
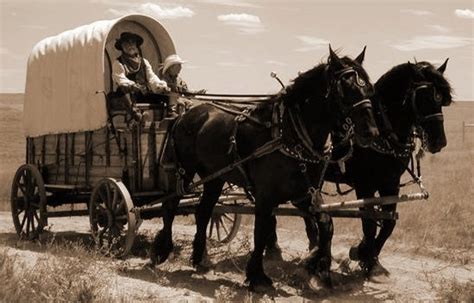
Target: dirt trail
{"x": 413, "y": 277}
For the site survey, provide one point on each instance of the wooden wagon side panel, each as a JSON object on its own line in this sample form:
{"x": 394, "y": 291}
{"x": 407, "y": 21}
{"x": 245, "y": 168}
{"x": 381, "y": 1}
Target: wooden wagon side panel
{"x": 83, "y": 158}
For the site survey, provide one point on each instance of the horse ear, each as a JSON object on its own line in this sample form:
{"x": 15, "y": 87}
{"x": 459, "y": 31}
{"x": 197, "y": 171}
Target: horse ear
{"x": 361, "y": 56}
{"x": 442, "y": 68}
{"x": 334, "y": 59}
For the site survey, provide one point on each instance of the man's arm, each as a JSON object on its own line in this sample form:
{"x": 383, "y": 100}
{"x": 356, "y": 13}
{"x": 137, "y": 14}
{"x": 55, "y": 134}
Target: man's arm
{"x": 155, "y": 84}
{"x": 119, "y": 77}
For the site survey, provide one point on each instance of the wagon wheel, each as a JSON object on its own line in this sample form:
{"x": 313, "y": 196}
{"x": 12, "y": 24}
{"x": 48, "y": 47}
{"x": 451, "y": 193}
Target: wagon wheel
{"x": 28, "y": 202}
{"x": 224, "y": 227}
{"x": 113, "y": 225}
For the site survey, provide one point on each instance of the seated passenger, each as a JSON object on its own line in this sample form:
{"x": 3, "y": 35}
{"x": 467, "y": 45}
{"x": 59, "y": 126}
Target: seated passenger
{"x": 171, "y": 68}
{"x": 134, "y": 75}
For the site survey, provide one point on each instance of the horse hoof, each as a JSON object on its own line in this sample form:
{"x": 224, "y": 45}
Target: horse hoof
{"x": 378, "y": 273}
{"x": 320, "y": 283}
{"x": 273, "y": 254}
{"x": 354, "y": 253}
{"x": 261, "y": 287}
{"x": 203, "y": 267}
{"x": 379, "y": 279}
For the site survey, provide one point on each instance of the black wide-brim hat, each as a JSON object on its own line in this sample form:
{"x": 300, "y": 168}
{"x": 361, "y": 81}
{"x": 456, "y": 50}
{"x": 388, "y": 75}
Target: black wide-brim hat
{"x": 128, "y": 36}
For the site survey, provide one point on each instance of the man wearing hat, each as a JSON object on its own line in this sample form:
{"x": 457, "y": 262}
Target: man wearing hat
{"x": 133, "y": 74}
{"x": 170, "y": 70}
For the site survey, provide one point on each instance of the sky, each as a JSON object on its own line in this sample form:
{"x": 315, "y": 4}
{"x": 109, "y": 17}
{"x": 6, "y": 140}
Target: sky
{"x": 232, "y": 45}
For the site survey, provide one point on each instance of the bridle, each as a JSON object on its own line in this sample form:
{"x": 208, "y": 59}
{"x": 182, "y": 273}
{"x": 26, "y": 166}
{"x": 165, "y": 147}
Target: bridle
{"x": 304, "y": 151}
{"x": 337, "y": 86}
{"x": 411, "y": 96}
{"x": 391, "y": 145}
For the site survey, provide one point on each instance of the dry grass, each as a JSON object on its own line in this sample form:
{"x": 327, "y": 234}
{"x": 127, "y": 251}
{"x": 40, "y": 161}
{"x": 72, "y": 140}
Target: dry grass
{"x": 51, "y": 278}
{"x": 455, "y": 291}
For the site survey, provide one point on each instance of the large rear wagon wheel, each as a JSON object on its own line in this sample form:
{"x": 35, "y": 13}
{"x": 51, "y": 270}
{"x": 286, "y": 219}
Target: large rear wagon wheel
{"x": 28, "y": 202}
{"x": 113, "y": 224}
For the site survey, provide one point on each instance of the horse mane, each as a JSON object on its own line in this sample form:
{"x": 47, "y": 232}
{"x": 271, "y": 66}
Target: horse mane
{"x": 313, "y": 83}
{"x": 440, "y": 82}
{"x": 392, "y": 86}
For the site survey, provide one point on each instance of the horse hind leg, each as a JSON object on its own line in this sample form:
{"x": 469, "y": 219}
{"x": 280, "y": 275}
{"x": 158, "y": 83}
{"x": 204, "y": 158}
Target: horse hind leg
{"x": 272, "y": 249}
{"x": 209, "y": 198}
{"x": 163, "y": 244}
{"x": 255, "y": 275}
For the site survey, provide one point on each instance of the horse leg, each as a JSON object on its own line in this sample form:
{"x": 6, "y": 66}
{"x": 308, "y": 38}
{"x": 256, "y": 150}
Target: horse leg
{"x": 318, "y": 263}
{"x": 255, "y": 274}
{"x": 272, "y": 249}
{"x": 210, "y": 196}
{"x": 312, "y": 232}
{"x": 384, "y": 233}
{"x": 163, "y": 244}
{"x": 365, "y": 251}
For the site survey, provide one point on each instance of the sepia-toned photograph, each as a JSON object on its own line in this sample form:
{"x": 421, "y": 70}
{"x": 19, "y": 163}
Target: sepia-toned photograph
{"x": 236, "y": 151}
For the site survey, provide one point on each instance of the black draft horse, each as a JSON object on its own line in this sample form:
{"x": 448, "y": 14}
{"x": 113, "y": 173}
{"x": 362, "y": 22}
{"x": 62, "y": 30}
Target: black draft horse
{"x": 210, "y": 137}
{"x": 408, "y": 99}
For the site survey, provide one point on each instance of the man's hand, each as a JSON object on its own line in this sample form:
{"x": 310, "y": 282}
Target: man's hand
{"x": 163, "y": 89}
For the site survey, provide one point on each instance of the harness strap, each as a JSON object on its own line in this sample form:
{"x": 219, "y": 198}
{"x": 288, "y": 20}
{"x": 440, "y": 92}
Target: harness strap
{"x": 236, "y": 158}
{"x": 267, "y": 148}
{"x": 241, "y": 113}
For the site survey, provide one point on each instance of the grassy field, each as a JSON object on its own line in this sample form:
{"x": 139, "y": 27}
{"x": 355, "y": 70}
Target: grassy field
{"x": 445, "y": 220}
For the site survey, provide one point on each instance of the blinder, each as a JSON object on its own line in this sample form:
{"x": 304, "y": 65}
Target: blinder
{"x": 366, "y": 103}
{"x": 436, "y": 97}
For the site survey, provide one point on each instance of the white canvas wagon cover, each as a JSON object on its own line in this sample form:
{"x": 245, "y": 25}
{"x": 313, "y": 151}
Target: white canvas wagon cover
{"x": 65, "y": 72}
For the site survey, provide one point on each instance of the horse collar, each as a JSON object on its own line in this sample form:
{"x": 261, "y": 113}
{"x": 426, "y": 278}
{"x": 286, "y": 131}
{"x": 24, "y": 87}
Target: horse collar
{"x": 303, "y": 148}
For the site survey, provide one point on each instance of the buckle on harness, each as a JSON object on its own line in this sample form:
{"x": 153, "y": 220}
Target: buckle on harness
{"x": 316, "y": 199}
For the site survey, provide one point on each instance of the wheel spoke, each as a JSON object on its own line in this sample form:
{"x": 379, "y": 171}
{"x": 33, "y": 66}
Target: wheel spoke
{"x": 37, "y": 217}
{"x": 101, "y": 196}
{"x": 218, "y": 231}
{"x": 19, "y": 211}
{"x": 228, "y": 217}
{"x": 119, "y": 207}
{"x": 108, "y": 201}
{"x": 33, "y": 229}
{"x": 22, "y": 188}
{"x": 224, "y": 226}
{"x": 123, "y": 217}
{"x": 23, "y": 221}
{"x": 211, "y": 228}
{"x": 114, "y": 199}
{"x": 28, "y": 225}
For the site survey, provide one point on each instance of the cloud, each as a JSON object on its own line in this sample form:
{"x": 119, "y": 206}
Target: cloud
{"x": 236, "y": 3}
{"x": 34, "y": 27}
{"x": 433, "y": 42}
{"x": 247, "y": 24}
{"x": 153, "y": 10}
{"x": 311, "y": 43}
{"x": 10, "y": 54}
{"x": 464, "y": 13}
{"x": 274, "y": 62}
{"x": 438, "y": 28}
{"x": 232, "y": 64}
{"x": 416, "y": 12}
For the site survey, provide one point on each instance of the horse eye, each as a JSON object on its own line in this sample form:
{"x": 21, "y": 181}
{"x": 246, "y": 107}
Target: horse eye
{"x": 360, "y": 81}
{"x": 438, "y": 97}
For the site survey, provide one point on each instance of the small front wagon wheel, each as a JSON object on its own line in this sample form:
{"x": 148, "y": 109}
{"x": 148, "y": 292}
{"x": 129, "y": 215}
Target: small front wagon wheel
{"x": 112, "y": 222}
{"x": 28, "y": 202}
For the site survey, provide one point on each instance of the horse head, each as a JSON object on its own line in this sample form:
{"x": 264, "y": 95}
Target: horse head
{"x": 350, "y": 89}
{"x": 413, "y": 95}
{"x": 426, "y": 102}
